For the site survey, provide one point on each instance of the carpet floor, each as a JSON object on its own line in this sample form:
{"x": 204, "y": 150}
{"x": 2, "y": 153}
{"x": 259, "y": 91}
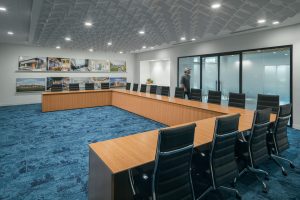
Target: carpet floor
{"x": 45, "y": 155}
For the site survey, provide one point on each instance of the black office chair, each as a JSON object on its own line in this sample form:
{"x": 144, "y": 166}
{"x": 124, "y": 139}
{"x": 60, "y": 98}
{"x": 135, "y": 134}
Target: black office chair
{"x": 135, "y": 87}
{"x": 214, "y": 97}
{"x": 196, "y": 94}
{"x": 171, "y": 178}
{"x": 253, "y": 148}
{"x": 89, "y": 86}
{"x": 179, "y": 93}
{"x": 237, "y": 100}
{"x": 128, "y": 86}
{"x": 74, "y": 86}
{"x": 104, "y": 86}
{"x": 165, "y": 91}
{"x": 153, "y": 89}
{"x": 56, "y": 88}
{"x": 278, "y": 139}
{"x": 222, "y": 162}
{"x": 143, "y": 88}
{"x": 267, "y": 101}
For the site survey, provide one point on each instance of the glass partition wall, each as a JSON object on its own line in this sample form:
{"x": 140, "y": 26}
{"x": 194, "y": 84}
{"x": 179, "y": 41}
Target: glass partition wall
{"x": 259, "y": 71}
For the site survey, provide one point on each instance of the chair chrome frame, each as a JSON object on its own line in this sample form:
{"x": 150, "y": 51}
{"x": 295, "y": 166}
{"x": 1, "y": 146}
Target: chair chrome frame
{"x": 213, "y": 187}
{"x": 275, "y": 156}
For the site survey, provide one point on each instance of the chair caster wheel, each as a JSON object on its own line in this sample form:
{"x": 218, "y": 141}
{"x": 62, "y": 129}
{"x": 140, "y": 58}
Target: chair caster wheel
{"x": 265, "y": 189}
{"x": 238, "y": 196}
{"x": 292, "y": 165}
{"x": 284, "y": 173}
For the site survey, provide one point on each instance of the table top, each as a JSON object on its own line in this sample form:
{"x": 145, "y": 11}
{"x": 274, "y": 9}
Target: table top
{"x": 124, "y": 153}
{"x": 74, "y": 92}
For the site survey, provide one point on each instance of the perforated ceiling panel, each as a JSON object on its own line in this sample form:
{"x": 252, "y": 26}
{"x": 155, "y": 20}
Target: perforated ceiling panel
{"x": 164, "y": 21}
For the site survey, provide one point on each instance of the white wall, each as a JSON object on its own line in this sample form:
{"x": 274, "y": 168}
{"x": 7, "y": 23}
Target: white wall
{"x": 9, "y": 55}
{"x": 276, "y": 37}
{"x": 157, "y": 70}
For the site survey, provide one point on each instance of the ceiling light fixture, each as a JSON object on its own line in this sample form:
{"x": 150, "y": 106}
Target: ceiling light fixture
{"x": 144, "y": 47}
{"x": 10, "y": 33}
{"x": 67, "y": 38}
{"x": 275, "y": 22}
{"x": 215, "y": 6}
{"x": 88, "y": 24}
{"x": 91, "y": 50}
{"x": 141, "y": 32}
{"x": 182, "y": 38}
{"x": 2, "y": 9}
{"x": 57, "y": 47}
{"x": 121, "y": 52}
{"x": 109, "y": 43}
{"x": 193, "y": 39}
{"x": 261, "y": 21}
{"x": 151, "y": 47}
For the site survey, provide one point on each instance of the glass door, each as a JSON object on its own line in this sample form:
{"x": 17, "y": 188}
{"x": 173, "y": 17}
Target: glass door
{"x": 194, "y": 64}
{"x": 229, "y": 75}
{"x": 209, "y": 75}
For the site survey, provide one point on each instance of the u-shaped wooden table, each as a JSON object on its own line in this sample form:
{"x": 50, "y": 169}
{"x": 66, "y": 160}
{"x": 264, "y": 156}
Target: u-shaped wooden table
{"x": 110, "y": 160}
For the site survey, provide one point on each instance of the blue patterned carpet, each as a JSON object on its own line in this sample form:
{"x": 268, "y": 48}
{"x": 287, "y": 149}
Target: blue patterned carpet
{"x": 45, "y": 155}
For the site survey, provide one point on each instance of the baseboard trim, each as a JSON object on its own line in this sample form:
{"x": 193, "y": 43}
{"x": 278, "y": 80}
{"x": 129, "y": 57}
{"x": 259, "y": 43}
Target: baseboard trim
{"x": 18, "y": 104}
{"x": 296, "y": 126}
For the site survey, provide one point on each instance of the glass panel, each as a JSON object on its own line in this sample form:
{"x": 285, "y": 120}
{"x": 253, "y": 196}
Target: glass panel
{"x": 209, "y": 75}
{"x": 229, "y": 75}
{"x": 266, "y": 72}
{"x": 194, "y": 64}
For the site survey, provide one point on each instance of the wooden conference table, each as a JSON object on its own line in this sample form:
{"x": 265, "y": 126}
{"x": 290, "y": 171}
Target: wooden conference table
{"x": 110, "y": 160}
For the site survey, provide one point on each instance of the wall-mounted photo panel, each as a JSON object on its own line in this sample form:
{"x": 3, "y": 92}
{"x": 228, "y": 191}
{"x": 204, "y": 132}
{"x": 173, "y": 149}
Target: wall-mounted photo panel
{"x": 118, "y": 82}
{"x": 98, "y": 80}
{"x": 30, "y": 85}
{"x": 59, "y": 64}
{"x": 117, "y": 66}
{"x": 82, "y": 80}
{"x": 79, "y": 65}
{"x": 58, "y": 80}
{"x": 98, "y": 65}
{"x": 29, "y": 63}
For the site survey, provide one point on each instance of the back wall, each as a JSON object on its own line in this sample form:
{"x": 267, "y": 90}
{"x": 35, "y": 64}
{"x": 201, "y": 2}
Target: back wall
{"x": 9, "y": 57}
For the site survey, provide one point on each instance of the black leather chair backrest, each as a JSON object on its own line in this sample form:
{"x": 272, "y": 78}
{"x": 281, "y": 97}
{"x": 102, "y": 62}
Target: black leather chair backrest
{"x": 74, "y": 86}
{"x": 56, "y": 88}
{"x": 258, "y": 137}
{"x": 135, "y": 87}
{"x": 237, "y": 100}
{"x": 214, "y": 97}
{"x": 143, "y": 88}
{"x": 89, "y": 86}
{"x": 280, "y": 130}
{"x": 153, "y": 89}
{"x": 128, "y": 86}
{"x": 179, "y": 93}
{"x": 196, "y": 94}
{"x": 104, "y": 85}
{"x": 222, "y": 158}
{"x": 172, "y": 172}
{"x": 267, "y": 101}
{"x": 165, "y": 91}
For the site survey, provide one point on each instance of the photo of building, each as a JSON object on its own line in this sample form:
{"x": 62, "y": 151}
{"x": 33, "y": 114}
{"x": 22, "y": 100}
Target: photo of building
{"x": 58, "y": 80}
{"x": 28, "y": 63}
{"x": 30, "y": 85}
{"x": 117, "y": 66}
{"x": 79, "y": 65}
{"x": 98, "y": 65}
{"x": 118, "y": 82}
{"x": 59, "y": 64}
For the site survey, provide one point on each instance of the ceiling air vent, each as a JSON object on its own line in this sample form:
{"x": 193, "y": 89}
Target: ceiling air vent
{"x": 250, "y": 29}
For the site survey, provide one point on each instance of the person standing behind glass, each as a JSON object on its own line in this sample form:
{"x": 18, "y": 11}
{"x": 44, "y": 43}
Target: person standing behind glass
{"x": 185, "y": 82}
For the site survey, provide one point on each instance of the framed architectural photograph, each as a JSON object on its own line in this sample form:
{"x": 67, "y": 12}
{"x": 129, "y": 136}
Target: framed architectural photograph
{"x": 58, "y": 80}
{"x": 28, "y": 85}
{"x": 118, "y": 82}
{"x": 79, "y": 65}
{"x": 117, "y": 66}
{"x": 98, "y": 65}
{"x": 29, "y": 63}
{"x": 59, "y": 64}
